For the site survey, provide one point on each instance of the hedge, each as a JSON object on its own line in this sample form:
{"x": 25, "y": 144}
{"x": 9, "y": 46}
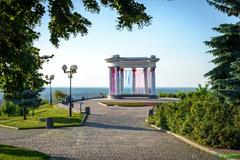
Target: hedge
{"x": 202, "y": 117}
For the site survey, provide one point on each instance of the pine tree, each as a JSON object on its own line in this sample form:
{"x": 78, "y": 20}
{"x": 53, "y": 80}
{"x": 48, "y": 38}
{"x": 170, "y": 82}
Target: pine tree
{"x": 225, "y": 77}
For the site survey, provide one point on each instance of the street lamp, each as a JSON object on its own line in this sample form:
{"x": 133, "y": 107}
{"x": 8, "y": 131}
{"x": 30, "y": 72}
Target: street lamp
{"x": 50, "y": 78}
{"x": 73, "y": 69}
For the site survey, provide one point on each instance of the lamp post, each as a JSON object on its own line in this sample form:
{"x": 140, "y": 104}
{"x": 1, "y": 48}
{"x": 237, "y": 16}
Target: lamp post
{"x": 73, "y": 69}
{"x": 49, "y": 81}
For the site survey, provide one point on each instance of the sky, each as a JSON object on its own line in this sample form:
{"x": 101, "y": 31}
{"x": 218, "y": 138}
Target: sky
{"x": 176, "y": 36}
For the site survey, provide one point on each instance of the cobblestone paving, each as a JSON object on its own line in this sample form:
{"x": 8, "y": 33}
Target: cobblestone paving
{"x": 109, "y": 133}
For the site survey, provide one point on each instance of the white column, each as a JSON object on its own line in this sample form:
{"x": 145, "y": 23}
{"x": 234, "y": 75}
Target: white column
{"x": 133, "y": 80}
{"x": 122, "y": 80}
{"x": 117, "y": 81}
{"x": 153, "y": 91}
{"x": 110, "y": 80}
{"x": 145, "y": 81}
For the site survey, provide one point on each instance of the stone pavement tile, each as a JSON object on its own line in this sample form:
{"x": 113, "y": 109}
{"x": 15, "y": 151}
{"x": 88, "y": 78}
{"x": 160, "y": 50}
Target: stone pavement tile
{"x": 109, "y": 133}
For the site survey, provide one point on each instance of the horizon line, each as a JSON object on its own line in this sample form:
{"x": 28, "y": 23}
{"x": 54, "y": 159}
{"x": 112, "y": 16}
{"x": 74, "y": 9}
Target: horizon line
{"x": 126, "y": 87}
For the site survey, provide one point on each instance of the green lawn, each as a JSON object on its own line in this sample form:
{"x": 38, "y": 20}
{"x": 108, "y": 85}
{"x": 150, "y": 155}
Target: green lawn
{"x": 230, "y": 156}
{"x": 14, "y": 153}
{"x": 128, "y": 104}
{"x": 60, "y": 116}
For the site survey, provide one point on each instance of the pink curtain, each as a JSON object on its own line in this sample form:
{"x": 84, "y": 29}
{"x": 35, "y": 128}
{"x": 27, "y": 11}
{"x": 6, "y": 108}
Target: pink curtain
{"x": 139, "y": 81}
{"x": 113, "y": 81}
{"x": 149, "y": 80}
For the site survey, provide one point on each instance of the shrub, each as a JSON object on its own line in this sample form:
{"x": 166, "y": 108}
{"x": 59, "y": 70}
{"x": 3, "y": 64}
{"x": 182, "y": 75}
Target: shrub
{"x": 10, "y": 109}
{"x": 168, "y": 95}
{"x": 174, "y": 95}
{"x": 59, "y": 95}
{"x": 202, "y": 117}
{"x": 181, "y": 95}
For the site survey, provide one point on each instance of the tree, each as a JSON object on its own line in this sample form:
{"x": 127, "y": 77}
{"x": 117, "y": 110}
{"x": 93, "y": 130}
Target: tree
{"x": 28, "y": 98}
{"x": 225, "y": 77}
{"x": 60, "y": 96}
{"x": 21, "y": 82}
{"x": 19, "y": 59}
{"x": 231, "y": 8}
{"x": 64, "y": 21}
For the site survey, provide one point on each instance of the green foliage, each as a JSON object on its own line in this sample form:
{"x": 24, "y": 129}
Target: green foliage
{"x": 168, "y": 95}
{"x": 202, "y": 117}
{"x": 232, "y": 8}
{"x": 65, "y": 22}
{"x": 225, "y": 77}
{"x": 159, "y": 118}
{"x": 181, "y": 95}
{"x": 60, "y": 96}
{"x": 174, "y": 95}
{"x": 130, "y": 13}
{"x": 10, "y": 109}
{"x": 20, "y": 60}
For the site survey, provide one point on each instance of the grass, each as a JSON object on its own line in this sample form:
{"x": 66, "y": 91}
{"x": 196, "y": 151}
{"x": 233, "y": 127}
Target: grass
{"x": 230, "y": 156}
{"x": 14, "y": 153}
{"x": 60, "y": 116}
{"x": 128, "y": 104}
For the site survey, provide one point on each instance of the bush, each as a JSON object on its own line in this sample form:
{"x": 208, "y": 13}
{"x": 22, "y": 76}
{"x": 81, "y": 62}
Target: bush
{"x": 202, "y": 117}
{"x": 168, "y": 95}
{"x": 182, "y": 95}
{"x": 174, "y": 95}
{"x": 10, "y": 109}
{"x": 59, "y": 95}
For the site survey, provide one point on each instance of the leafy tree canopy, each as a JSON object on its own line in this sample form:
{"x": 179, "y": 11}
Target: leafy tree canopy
{"x": 20, "y": 61}
{"x": 64, "y": 21}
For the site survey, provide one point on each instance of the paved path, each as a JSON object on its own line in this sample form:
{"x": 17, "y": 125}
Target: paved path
{"x": 109, "y": 133}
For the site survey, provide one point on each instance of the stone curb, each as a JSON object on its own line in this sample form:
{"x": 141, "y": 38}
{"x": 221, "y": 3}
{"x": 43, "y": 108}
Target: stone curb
{"x": 193, "y": 144}
{"x": 103, "y": 104}
{"x": 84, "y": 120}
{"x": 122, "y": 106}
{"x": 10, "y": 127}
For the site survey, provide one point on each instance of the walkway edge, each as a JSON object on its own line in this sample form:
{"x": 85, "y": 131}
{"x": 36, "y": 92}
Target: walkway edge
{"x": 193, "y": 144}
{"x": 103, "y": 104}
{"x": 10, "y": 127}
{"x": 84, "y": 119}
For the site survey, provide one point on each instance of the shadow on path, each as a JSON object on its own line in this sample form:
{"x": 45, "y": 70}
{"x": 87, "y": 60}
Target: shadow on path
{"x": 108, "y": 126}
{"x": 63, "y": 158}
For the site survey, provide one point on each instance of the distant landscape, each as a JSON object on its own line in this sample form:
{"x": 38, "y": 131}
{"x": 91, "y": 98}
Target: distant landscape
{"x": 88, "y": 92}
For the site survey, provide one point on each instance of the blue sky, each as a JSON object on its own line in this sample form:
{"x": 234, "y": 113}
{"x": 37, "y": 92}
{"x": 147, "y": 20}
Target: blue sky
{"x": 176, "y": 36}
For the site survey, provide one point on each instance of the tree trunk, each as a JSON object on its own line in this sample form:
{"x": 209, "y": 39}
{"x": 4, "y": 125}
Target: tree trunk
{"x": 24, "y": 113}
{"x": 33, "y": 112}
